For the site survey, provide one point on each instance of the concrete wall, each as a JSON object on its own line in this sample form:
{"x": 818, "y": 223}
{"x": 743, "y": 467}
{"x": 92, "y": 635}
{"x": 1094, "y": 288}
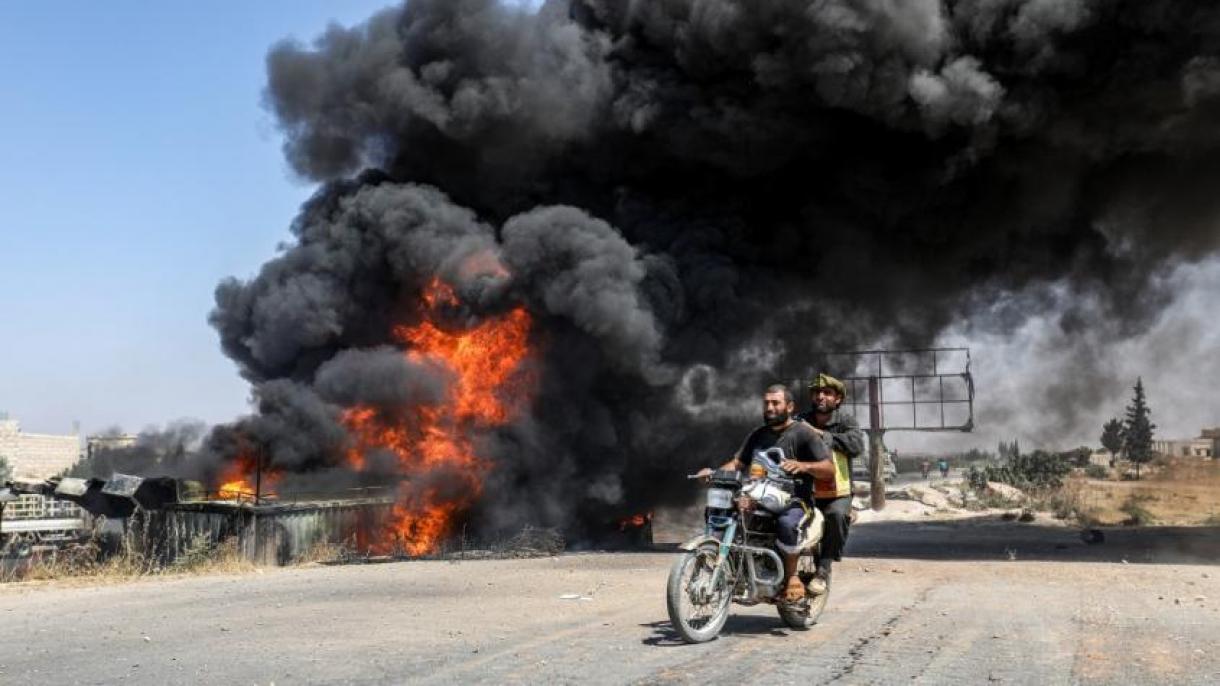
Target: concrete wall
{"x": 37, "y": 455}
{"x": 1100, "y": 457}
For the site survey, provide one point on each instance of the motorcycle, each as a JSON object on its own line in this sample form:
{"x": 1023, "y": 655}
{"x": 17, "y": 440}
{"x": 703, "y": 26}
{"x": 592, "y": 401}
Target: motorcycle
{"x": 735, "y": 559}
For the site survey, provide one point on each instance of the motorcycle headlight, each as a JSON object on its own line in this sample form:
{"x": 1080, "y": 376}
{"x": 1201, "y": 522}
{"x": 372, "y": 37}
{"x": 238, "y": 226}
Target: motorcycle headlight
{"x": 719, "y": 498}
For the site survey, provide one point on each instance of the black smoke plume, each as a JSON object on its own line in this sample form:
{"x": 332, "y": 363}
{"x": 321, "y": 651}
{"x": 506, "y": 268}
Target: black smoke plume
{"x": 692, "y": 197}
{"x": 169, "y": 449}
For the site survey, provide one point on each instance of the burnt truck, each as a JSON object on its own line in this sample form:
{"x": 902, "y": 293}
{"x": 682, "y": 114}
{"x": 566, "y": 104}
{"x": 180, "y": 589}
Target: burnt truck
{"x": 164, "y": 518}
{"x": 48, "y": 513}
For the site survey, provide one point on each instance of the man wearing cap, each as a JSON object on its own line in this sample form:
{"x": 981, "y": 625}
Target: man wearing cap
{"x": 832, "y": 495}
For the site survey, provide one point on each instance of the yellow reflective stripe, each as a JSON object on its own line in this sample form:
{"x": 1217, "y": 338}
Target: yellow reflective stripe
{"x": 841, "y": 485}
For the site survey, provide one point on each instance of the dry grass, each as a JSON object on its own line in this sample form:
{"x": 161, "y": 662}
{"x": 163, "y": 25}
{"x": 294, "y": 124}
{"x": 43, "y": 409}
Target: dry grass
{"x": 1180, "y": 493}
{"x": 325, "y": 552}
{"x": 87, "y": 561}
{"x": 204, "y": 557}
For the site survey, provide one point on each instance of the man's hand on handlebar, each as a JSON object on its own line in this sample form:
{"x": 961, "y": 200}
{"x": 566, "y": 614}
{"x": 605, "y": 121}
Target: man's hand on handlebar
{"x": 706, "y": 473}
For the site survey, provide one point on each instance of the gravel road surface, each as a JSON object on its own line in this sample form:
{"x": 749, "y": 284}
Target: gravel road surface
{"x": 945, "y": 603}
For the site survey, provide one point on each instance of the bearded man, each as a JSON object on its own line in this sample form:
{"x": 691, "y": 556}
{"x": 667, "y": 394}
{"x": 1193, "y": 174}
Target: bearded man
{"x": 832, "y": 493}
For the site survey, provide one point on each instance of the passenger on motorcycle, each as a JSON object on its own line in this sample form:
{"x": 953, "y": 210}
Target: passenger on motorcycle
{"x": 832, "y": 495}
{"x": 807, "y": 457}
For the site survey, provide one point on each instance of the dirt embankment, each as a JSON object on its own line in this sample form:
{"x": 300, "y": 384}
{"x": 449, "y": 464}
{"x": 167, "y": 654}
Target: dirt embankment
{"x": 1177, "y": 493}
{"x": 1180, "y": 493}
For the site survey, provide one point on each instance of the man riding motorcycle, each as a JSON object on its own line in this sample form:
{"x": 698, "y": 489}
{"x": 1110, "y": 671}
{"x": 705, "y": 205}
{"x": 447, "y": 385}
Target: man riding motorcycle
{"x": 807, "y": 458}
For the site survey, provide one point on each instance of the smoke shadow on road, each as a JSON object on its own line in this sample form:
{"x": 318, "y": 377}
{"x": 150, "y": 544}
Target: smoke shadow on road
{"x": 992, "y": 538}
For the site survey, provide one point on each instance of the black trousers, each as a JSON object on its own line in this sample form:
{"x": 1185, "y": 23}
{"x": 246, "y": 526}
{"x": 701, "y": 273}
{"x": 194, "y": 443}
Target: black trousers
{"x": 837, "y": 512}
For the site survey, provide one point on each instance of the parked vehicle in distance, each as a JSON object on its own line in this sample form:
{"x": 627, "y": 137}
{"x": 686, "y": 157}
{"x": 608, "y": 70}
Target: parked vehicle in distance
{"x": 859, "y": 468}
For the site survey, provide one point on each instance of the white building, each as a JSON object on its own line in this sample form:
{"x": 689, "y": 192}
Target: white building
{"x": 107, "y": 442}
{"x": 1189, "y": 447}
{"x": 36, "y": 455}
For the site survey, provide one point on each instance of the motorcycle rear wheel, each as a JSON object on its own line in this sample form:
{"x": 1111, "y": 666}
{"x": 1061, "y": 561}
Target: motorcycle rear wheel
{"x": 804, "y": 615}
{"x": 693, "y": 620}
{"x": 798, "y": 617}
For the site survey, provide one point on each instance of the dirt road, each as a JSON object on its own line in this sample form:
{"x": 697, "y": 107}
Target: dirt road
{"x": 945, "y": 604}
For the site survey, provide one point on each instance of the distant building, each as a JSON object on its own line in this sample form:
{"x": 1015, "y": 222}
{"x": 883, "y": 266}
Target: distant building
{"x": 1188, "y": 447}
{"x": 1214, "y": 435}
{"x": 37, "y": 455}
{"x": 103, "y": 443}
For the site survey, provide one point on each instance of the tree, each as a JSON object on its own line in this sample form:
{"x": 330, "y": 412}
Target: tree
{"x": 1009, "y": 451}
{"x": 5, "y": 471}
{"x": 1112, "y": 438}
{"x": 1137, "y": 429}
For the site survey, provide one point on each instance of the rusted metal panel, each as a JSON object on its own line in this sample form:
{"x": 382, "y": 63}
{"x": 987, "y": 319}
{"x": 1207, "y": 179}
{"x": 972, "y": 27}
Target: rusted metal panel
{"x": 266, "y": 535}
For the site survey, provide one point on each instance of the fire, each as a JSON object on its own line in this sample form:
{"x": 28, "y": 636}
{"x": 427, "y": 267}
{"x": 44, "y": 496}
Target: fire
{"x": 440, "y": 293}
{"x": 490, "y": 386}
{"x": 634, "y": 521}
{"x": 237, "y": 479}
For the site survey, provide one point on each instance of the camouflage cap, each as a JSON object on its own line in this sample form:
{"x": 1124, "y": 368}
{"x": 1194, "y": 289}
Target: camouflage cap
{"x": 827, "y": 381}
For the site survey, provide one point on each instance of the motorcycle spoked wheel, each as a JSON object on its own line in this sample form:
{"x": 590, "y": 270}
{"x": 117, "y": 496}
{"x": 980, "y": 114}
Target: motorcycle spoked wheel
{"x": 805, "y": 614}
{"x": 697, "y": 620}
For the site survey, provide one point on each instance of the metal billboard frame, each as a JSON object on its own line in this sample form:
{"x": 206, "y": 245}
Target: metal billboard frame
{"x": 873, "y": 382}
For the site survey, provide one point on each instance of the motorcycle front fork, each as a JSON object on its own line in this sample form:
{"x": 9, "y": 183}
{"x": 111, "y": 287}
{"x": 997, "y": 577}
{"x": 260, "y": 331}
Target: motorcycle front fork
{"x": 726, "y": 543}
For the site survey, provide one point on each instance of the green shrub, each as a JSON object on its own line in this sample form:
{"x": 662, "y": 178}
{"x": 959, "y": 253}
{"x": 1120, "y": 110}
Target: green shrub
{"x": 977, "y": 478}
{"x": 1096, "y": 471}
{"x": 1036, "y": 470}
{"x": 1137, "y": 515}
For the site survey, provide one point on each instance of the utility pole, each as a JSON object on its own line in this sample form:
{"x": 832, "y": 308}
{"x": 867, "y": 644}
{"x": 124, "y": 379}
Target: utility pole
{"x": 258, "y": 477}
{"x": 876, "y": 446}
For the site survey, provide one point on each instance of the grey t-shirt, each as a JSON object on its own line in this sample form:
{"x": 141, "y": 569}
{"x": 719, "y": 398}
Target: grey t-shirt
{"x": 798, "y": 441}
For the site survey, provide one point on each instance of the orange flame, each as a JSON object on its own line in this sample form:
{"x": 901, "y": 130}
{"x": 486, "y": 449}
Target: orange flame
{"x": 634, "y": 521}
{"x": 237, "y": 479}
{"x": 490, "y": 385}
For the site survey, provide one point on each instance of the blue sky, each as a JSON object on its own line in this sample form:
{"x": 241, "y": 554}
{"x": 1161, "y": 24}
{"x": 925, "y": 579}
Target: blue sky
{"x": 138, "y": 169}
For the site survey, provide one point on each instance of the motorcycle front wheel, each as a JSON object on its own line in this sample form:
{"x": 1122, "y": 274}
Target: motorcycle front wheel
{"x": 697, "y": 610}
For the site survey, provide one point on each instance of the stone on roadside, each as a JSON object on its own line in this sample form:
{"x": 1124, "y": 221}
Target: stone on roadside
{"x": 931, "y": 498}
{"x": 1009, "y": 493}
